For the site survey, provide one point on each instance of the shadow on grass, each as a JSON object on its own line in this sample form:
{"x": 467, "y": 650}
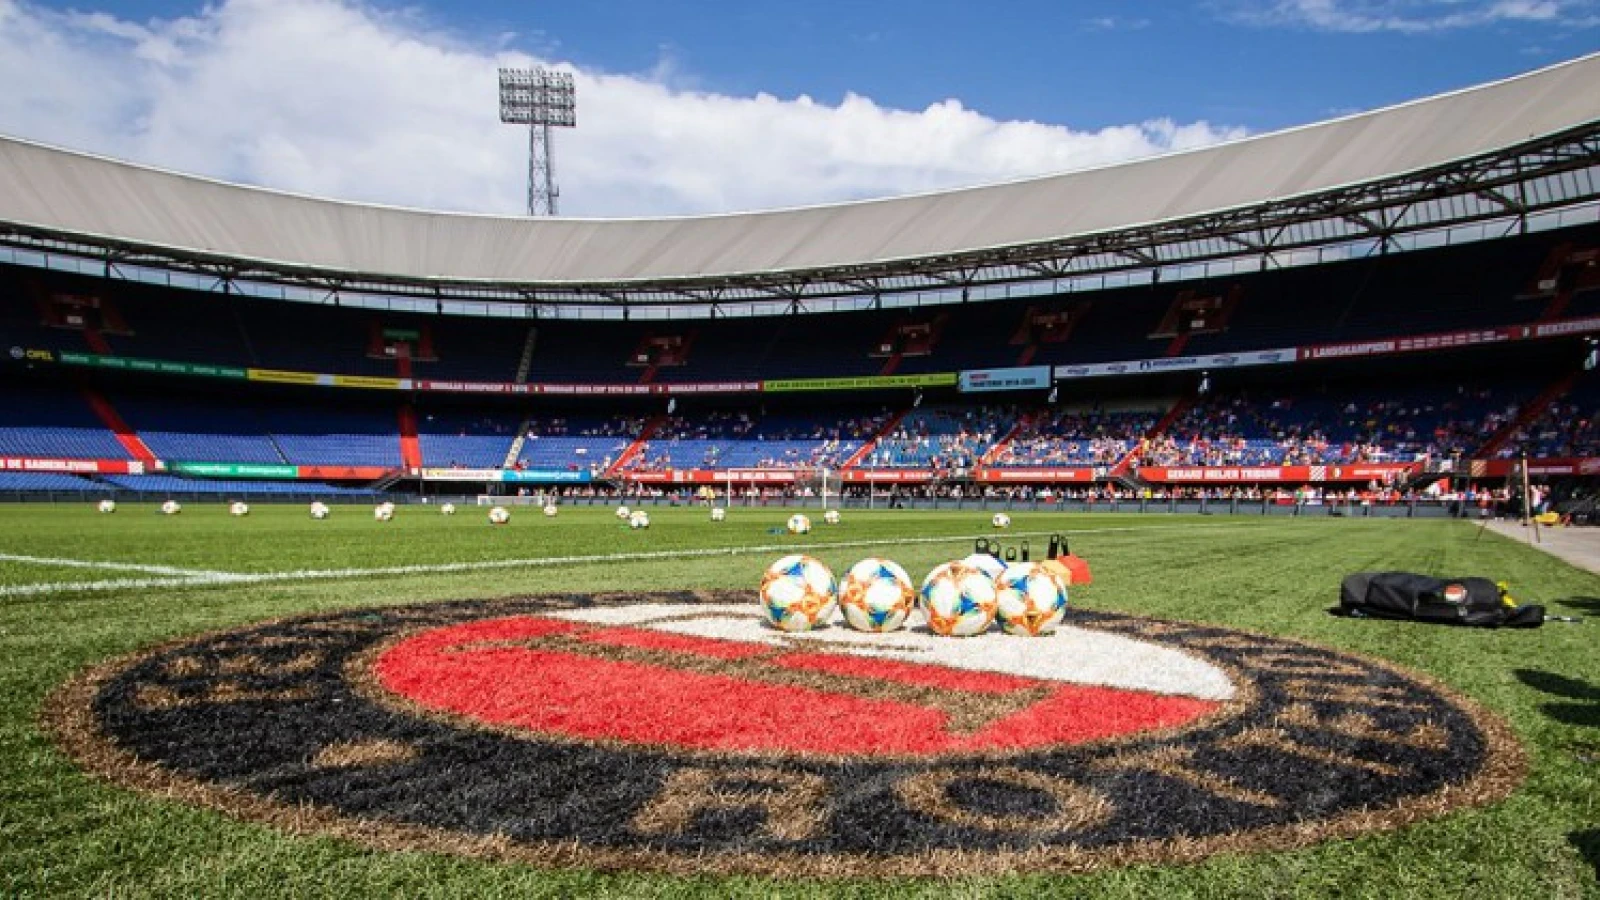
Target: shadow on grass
{"x": 1590, "y": 605}
{"x": 1584, "y": 713}
{"x": 1588, "y": 846}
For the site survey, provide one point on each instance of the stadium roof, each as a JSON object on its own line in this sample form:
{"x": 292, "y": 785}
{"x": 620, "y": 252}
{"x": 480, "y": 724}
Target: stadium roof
{"x": 1365, "y": 173}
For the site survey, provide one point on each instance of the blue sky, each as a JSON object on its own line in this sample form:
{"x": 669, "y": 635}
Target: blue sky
{"x": 1113, "y": 79}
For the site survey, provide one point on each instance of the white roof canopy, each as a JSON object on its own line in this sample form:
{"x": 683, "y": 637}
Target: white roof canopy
{"x": 89, "y": 198}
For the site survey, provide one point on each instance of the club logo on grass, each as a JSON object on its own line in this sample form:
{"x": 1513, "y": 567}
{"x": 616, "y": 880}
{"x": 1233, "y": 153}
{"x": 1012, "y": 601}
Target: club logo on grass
{"x": 678, "y": 732}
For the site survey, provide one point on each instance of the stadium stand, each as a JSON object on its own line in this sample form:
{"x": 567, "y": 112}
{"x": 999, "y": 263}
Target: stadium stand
{"x": 166, "y": 485}
{"x": 53, "y": 420}
{"x": 45, "y": 481}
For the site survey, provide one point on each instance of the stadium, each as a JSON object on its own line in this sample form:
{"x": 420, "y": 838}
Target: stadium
{"x": 313, "y": 580}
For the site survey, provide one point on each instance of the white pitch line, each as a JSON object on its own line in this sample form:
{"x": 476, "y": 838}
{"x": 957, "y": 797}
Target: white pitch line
{"x": 63, "y": 562}
{"x": 208, "y": 579}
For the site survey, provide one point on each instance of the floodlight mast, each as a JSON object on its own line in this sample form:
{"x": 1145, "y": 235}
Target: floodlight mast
{"x": 540, "y": 99}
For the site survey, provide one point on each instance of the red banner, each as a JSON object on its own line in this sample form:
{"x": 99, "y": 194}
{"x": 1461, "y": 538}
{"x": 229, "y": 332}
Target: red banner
{"x": 894, "y": 476}
{"x": 705, "y": 476}
{"x": 343, "y": 473}
{"x": 78, "y": 466}
{"x": 1251, "y": 474}
{"x": 1444, "y": 340}
{"x": 1504, "y": 468}
{"x": 1078, "y": 475}
{"x": 588, "y": 390}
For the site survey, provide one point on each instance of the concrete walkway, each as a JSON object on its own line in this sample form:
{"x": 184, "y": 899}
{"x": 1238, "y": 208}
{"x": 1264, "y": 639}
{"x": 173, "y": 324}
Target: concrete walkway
{"x": 1579, "y": 546}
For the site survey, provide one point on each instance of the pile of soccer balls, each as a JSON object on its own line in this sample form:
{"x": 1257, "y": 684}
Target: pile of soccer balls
{"x": 960, "y": 598}
{"x": 384, "y": 511}
{"x": 239, "y": 508}
{"x": 319, "y": 510}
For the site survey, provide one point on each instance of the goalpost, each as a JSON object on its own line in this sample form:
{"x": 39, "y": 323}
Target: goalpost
{"x": 820, "y": 484}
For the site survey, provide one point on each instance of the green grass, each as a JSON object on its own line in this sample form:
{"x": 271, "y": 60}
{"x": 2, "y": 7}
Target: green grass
{"x": 62, "y": 834}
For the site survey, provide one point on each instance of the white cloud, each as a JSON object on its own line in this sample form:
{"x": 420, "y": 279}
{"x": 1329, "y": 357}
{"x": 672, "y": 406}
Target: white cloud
{"x": 1412, "y": 16}
{"x": 333, "y": 98}
{"x": 1115, "y": 23}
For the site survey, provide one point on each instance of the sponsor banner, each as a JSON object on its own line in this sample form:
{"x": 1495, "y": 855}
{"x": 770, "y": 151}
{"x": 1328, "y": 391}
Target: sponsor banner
{"x": 369, "y": 381}
{"x": 236, "y": 470}
{"x": 282, "y": 376}
{"x": 546, "y": 476}
{"x": 1076, "y": 475}
{"x": 344, "y": 473}
{"x": 1247, "y": 474}
{"x": 459, "y": 474}
{"x": 1277, "y": 356}
{"x": 862, "y": 383}
{"x": 527, "y": 476}
{"x": 975, "y": 381}
{"x": 1444, "y": 340}
{"x": 138, "y": 364}
{"x": 32, "y": 354}
{"x": 76, "y": 466}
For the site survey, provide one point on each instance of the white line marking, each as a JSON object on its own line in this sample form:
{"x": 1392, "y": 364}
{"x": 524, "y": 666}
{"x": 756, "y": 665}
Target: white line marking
{"x": 200, "y": 578}
{"x": 67, "y": 563}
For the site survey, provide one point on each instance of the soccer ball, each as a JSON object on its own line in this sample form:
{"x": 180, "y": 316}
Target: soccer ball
{"x": 876, "y": 595}
{"x": 799, "y": 524}
{"x": 1001, "y": 520}
{"x": 449, "y": 509}
{"x": 107, "y": 506}
{"x": 319, "y": 510}
{"x": 718, "y": 514}
{"x": 639, "y": 519}
{"x": 499, "y": 516}
{"x": 831, "y": 517}
{"x": 239, "y": 509}
{"x": 988, "y": 562}
{"x": 1033, "y": 601}
{"x": 797, "y": 593}
{"x": 383, "y": 512}
{"x": 171, "y": 508}
{"x": 550, "y": 510}
{"x": 623, "y": 512}
{"x": 959, "y": 600}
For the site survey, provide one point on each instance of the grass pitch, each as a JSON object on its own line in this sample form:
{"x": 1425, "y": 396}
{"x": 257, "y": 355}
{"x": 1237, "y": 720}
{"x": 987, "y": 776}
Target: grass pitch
{"x": 63, "y": 834}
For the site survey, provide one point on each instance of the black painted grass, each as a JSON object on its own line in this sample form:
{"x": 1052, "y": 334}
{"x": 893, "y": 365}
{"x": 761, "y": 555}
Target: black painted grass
{"x": 62, "y": 834}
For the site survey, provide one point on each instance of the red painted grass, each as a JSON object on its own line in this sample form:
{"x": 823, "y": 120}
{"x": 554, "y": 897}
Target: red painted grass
{"x": 479, "y": 672}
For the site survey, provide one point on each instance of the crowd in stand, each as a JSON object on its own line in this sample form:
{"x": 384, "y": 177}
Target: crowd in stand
{"x": 1239, "y": 431}
{"x": 1074, "y": 439}
{"x": 743, "y": 440}
{"x": 1566, "y": 429}
{"x": 943, "y": 439}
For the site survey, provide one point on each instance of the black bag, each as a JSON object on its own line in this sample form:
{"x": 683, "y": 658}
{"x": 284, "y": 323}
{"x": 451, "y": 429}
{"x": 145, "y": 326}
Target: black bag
{"x": 1457, "y": 601}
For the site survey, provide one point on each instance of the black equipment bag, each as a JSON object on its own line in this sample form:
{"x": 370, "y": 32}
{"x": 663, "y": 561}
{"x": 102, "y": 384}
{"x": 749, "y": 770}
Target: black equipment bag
{"x": 1458, "y": 601}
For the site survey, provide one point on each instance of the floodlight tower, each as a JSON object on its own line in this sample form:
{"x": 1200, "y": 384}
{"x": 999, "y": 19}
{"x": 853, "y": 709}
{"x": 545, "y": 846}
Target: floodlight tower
{"x": 540, "y": 99}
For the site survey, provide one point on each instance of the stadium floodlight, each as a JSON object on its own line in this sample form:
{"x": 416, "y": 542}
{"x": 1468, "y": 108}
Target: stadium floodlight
{"x": 540, "y": 99}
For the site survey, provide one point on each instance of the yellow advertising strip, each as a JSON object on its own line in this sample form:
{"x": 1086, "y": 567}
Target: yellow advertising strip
{"x": 863, "y": 383}
{"x": 366, "y": 381}
{"x": 279, "y": 376}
